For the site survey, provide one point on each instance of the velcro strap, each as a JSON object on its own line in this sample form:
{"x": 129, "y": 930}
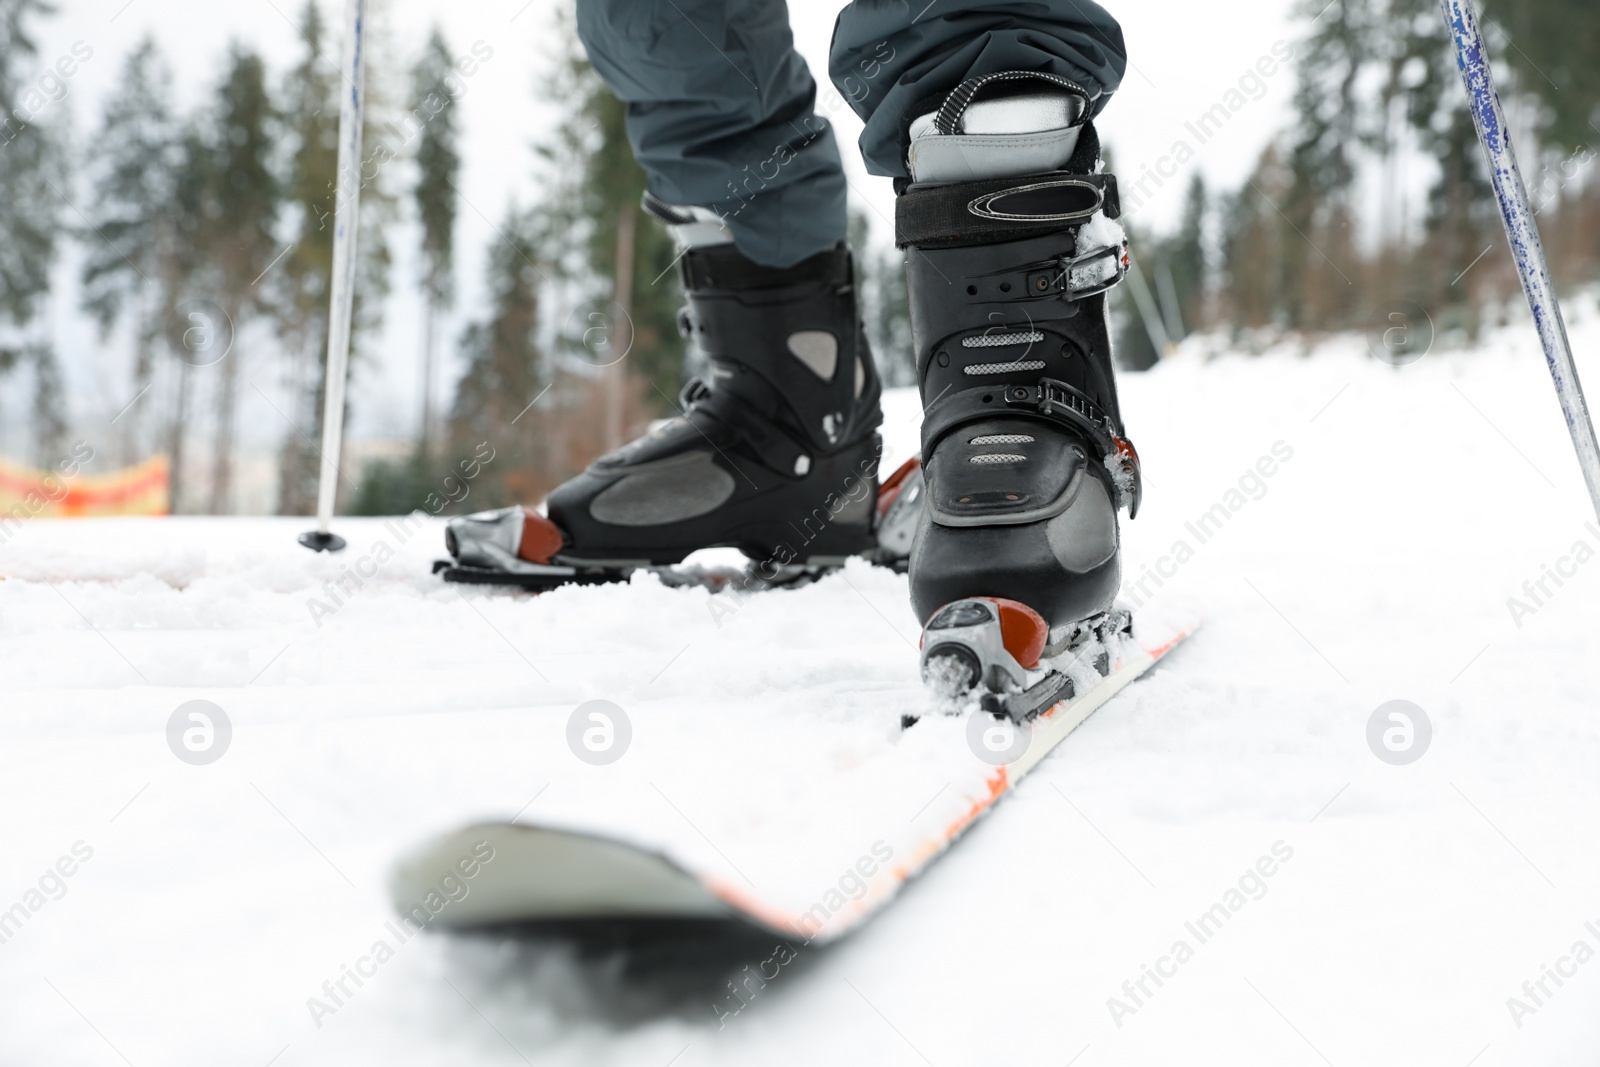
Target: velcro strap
{"x": 1001, "y": 209}
{"x": 1051, "y": 400}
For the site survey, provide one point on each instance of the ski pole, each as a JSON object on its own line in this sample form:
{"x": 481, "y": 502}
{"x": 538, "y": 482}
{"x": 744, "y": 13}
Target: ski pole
{"x": 1522, "y": 234}
{"x": 341, "y": 295}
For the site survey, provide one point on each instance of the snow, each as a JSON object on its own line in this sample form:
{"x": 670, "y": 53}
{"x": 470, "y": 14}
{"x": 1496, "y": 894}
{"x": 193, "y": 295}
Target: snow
{"x": 1368, "y": 525}
{"x": 1097, "y": 234}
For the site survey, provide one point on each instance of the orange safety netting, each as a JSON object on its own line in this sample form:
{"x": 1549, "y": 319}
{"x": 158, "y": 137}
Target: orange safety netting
{"x": 142, "y": 489}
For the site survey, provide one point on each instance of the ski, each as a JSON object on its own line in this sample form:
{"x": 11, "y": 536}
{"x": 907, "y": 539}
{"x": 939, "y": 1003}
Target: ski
{"x": 956, "y": 761}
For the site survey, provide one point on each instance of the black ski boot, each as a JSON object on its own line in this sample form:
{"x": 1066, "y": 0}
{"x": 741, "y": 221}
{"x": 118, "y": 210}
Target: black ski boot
{"x": 776, "y": 454}
{"x": 1025, "y": 459}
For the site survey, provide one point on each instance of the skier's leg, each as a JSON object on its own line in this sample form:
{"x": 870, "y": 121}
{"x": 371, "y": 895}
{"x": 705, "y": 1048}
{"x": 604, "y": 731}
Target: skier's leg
{"x": 892, "y": 60}
{"x": 777, "y": 452}
{"x": 720, "y": 115}
{"x": 982, "y": 111}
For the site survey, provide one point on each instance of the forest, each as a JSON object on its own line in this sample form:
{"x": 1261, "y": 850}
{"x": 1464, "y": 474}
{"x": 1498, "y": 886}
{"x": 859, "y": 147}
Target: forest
{"x": 200, "y": 226}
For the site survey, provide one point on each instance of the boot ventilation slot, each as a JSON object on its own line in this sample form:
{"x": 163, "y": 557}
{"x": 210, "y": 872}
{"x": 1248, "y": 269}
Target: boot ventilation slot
{"x": 986, "y": 459}
{"x": 996, "y": 340}
{"x": 1004, "y": 368}
{"x": 1003, "y": 439}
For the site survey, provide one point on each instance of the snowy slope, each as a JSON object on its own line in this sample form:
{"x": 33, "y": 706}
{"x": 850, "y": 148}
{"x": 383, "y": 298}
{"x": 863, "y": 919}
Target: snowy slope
{"x": 1405, "y": 904}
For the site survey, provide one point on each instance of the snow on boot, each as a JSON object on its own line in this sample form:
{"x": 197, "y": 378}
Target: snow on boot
{"x": 776, "y": 454}
{"x": 1011, "y": 248}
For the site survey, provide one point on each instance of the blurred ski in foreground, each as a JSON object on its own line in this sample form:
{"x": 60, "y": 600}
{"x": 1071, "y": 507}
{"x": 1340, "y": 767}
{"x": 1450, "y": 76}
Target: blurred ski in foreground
{"x": 810, "y": 867}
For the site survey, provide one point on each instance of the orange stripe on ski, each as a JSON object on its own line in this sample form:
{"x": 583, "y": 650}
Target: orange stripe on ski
{"x": 1157, "y": 653}
{"x": 995, "y": 786}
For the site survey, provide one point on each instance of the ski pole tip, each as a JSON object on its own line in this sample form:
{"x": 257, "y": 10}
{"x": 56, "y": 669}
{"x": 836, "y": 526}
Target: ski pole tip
{"x": 322, "y": 541}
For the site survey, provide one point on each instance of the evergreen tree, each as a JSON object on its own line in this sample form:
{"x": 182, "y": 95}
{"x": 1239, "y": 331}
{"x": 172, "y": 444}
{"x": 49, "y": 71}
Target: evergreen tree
{"x": 245, "y": 199}
{"x": 613, "y": 184}
{"x": 29, "y": 207}
{"x": 1462, "y": 223}
{"x": 1462, "y": 218}
{"x": 188, "y": 273}
{"x": 301, "y": 282}
{"x": 596, "y": 186}
{"x": 380, "y": 204}
{"x": 1185, "y": 254}
{"x": 1321, "y": 161}
{"x": 501, "y": 377}
{"x": 1556, "y": 42}
{"x": 128, "y": 272}
{"x": 49, "y": 407}
{"x": 1254, "y": 238}
{"x": 438, "y": 167}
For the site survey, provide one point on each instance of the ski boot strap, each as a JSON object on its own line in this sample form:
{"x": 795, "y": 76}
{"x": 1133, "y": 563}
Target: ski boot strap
{"x": 760, "y": 429}
{"x": 1001, "y": 209}
{"x": 1052, "y": 401}
{"x": 788, "y": 368}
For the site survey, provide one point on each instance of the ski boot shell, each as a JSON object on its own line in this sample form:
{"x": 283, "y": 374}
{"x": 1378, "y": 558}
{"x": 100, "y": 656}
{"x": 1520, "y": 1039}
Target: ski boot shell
{"x": 776, "y": 453}
{"x": 1026, "y": 462}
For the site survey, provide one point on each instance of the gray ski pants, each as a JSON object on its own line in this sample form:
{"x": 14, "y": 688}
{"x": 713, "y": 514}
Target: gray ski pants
{"x": 722, "y": 112}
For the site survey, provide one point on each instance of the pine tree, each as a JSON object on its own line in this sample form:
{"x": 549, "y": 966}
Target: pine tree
{"x": 1554, "y": 59}
{"x": 128, "y": 273}
{"x": 1462, "y": 218}
{"x": 438, "y": 167}
{"x": 380, "y": 205}
{"x": 595, "y": 188}
{"x": 1328, "y": 129}
{"x": 29, "y": 207}
{"x": 49, "y": 407}
{"x": 302, "y": 280}
{"x": 1185, "y": 253}
{"x": 502, "y": 378}
{"x": 613, "y": 186}
{"x": 246, "y": 200}
{"x": 1256, "y": 292}
{"x": 188, "y": 273}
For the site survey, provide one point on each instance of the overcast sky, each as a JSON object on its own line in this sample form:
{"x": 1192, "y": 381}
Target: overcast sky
{"x": 1185, "y": 57}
